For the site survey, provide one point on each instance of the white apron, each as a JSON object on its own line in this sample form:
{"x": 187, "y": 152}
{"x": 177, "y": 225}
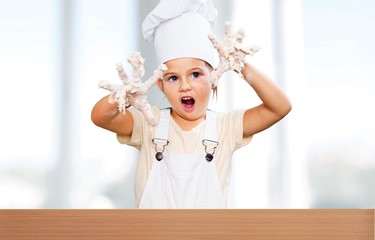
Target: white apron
{"x": 183, "y": 181}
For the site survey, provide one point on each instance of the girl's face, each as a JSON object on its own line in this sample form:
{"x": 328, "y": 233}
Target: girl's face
{"x": 187, "y": 86}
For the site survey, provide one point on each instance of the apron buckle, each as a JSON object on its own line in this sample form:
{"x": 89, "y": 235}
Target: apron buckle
{"x": 206, "y": 142}
{"x": 159, "y": 154}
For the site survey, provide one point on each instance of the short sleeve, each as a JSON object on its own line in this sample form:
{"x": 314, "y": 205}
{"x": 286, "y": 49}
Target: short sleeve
{"x": 231, "y": 127}
{"x": 135, "y": 139}
{"x": 141, "y": 129}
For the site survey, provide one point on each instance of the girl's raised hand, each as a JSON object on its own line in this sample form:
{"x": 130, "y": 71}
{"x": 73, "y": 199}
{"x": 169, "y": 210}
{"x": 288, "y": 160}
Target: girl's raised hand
{"x": 134, "y": 92}
{"x": 231, "y": 53}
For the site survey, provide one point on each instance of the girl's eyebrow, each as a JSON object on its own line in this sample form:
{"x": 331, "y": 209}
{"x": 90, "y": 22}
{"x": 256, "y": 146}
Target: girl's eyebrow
{"x": 195, "y": 68}
{"x": 188, "y": 70}
{"x": 169, "y": 74}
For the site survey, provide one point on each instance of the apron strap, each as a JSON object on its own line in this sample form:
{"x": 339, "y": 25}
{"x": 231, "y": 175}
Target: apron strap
{"x": 161, "y": 136}
{"x": 163, "y": 128}
{"x": 210, "y": 141}
{"x": 210, "y": 133}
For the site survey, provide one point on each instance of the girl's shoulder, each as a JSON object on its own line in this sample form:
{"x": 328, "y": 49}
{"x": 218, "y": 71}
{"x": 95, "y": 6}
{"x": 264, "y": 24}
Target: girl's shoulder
{"x": 231, "y": 116}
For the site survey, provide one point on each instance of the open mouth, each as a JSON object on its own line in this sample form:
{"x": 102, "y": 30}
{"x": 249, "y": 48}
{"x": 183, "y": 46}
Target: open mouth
{"x": 188, "y": 102}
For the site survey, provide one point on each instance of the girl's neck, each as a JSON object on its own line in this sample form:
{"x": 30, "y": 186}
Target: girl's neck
{"x": 187, "y": 124}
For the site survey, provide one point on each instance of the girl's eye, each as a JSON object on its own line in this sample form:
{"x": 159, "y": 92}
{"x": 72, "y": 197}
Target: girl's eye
{"x": 195, "y": 74}
{"x": 172, "y": 78}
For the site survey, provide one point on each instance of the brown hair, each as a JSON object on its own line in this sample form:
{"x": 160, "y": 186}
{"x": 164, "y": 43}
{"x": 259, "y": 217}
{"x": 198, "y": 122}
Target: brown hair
{"x": 214, "y": 89}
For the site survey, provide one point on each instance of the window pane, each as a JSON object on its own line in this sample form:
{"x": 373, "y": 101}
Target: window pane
{"x": 27, "y": 105}
{"x": 339, "y": 69}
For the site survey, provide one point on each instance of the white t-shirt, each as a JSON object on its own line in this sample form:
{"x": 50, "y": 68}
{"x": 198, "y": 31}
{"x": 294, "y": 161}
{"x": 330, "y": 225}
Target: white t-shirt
{"x": 230, "y": 138}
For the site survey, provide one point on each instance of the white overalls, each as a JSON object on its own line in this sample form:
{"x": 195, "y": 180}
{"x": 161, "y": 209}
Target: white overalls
{"x": 183, "y": 181}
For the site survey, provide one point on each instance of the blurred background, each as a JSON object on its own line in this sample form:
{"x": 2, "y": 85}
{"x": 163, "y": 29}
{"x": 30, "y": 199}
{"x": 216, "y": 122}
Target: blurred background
{"x": 321, "y": 53}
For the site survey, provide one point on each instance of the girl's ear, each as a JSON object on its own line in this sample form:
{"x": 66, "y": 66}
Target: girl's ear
{"x": 160, "y": 85}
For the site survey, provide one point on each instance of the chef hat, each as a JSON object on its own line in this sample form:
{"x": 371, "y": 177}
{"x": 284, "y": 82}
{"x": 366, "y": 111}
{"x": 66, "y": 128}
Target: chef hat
{"x": 180, "y": 28}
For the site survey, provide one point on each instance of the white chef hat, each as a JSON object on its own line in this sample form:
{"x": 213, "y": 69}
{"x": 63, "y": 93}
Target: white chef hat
{"x": 180, "y": 28}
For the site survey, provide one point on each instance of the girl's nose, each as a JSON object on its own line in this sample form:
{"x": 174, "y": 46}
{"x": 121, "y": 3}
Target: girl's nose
{"x": 185, "y": 86}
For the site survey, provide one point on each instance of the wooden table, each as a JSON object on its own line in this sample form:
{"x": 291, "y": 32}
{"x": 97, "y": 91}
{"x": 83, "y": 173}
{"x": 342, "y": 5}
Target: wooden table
{"x": 187, "y": 224}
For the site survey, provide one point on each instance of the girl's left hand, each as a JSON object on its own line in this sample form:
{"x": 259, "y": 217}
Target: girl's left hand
{"x": 231, "y": 53}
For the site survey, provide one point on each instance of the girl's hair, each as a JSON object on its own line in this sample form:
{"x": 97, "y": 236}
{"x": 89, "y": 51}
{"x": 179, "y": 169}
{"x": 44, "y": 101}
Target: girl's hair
{"x": 214, "y": 90}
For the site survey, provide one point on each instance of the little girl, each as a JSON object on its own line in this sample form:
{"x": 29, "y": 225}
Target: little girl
{"x": 185, "y": 157}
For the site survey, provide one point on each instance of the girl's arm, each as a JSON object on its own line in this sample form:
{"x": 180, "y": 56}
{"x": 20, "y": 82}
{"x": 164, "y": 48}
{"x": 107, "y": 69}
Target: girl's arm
{"x": 274, "y": 107}
{"x": 106, "y": 115}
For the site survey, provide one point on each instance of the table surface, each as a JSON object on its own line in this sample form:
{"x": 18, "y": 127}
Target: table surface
{"x": 317, "y": 224}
